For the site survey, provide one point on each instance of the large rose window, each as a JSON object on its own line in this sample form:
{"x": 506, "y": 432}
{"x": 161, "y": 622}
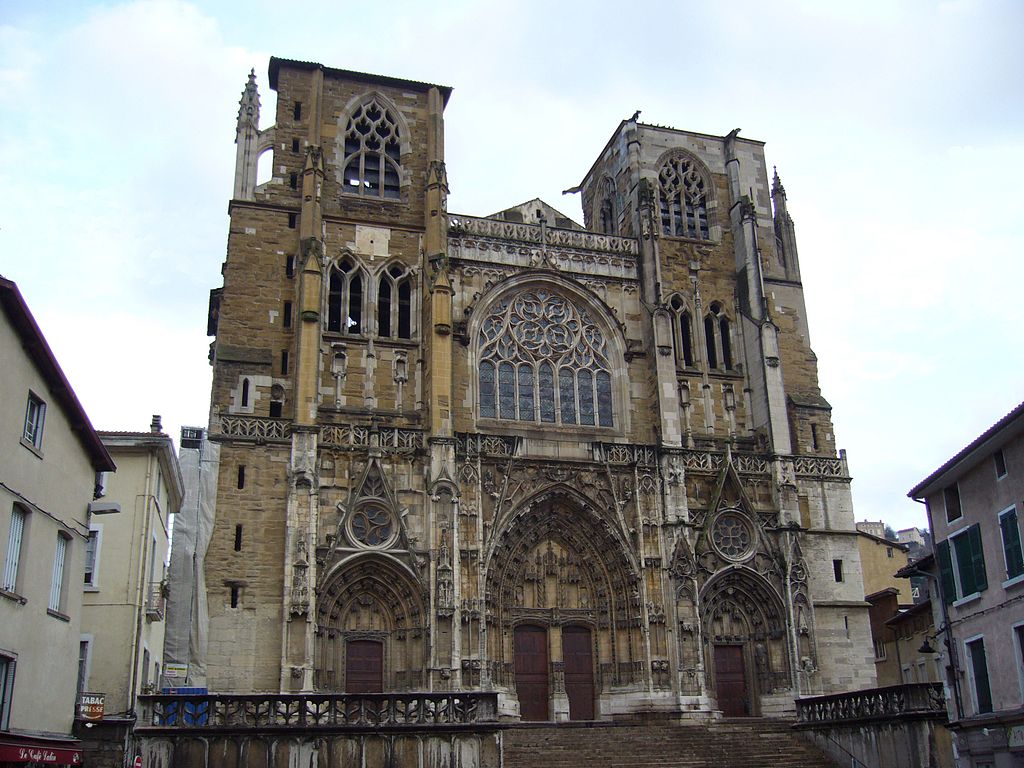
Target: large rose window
{"x": 543, "y": 358}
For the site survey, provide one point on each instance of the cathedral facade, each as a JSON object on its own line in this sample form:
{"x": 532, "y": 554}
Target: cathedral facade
{"x": 587, "y": 467}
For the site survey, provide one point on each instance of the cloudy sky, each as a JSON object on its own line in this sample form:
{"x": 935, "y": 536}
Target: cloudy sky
{"x": 897, "y": 128}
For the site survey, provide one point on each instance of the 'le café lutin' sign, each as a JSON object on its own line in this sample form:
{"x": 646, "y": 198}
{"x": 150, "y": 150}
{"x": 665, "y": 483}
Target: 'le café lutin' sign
{"x": 32, "y": 753}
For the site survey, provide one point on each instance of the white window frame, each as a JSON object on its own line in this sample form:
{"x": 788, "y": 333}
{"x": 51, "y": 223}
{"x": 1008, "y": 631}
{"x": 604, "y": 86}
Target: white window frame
{"x": 1009, "y": 582}
{"x": 60, "y": 571}
{"x": 15, "y": 548}
{"x": 964, "y": 599}
{"x": 972, "y": 683}
{"x": 35, "y": 421}
{"x": 7, "y": 672}
{"x": 88, "y": 640}
{"x": 1017, "y": 641}
{"x": 93, "y": 585}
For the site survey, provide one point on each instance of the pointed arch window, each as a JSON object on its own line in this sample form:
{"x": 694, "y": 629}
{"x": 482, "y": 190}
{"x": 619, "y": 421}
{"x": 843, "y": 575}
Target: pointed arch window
{"x": 606, "y": 210}
{"x": 718, "y": 338}
{"x": 372, "y": 165}
{"x": 345, "y": 298}
{"x": 682, "y": 333}
{"x": 683, "y": 199}
{"x": 544, "y": 359}
{"x": 394, "y": 303}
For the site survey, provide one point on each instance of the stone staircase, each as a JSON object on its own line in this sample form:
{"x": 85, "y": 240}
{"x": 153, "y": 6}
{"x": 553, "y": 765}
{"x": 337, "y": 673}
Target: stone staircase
{"x": 746, "y": 743}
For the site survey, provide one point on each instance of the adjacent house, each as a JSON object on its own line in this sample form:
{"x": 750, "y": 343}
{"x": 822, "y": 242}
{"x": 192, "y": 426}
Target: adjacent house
{"x": 125, "y": 589}
{"x": 49, "y": 459}
{"x": 974, "y": 503}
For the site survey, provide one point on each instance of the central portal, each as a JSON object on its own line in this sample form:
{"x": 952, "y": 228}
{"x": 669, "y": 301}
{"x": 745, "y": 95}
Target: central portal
{"x": 531, "y": 653}
{"x": 731, "y": 681}
{"x": 578, "y": 657}
{"x": 364, "y": 666}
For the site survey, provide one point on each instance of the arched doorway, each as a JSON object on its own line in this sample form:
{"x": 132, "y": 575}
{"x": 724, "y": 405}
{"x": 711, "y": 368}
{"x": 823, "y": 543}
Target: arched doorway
{"x": 564, "y": 612}
{"x": 370, "y": 628}
{"x": 745, "y": 630}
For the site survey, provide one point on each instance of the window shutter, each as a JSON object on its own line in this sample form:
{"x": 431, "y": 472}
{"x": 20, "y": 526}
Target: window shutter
{"x": 946, "y": 580}
{"x": 978, "y": 558}
{"x": 1011, "y": 544}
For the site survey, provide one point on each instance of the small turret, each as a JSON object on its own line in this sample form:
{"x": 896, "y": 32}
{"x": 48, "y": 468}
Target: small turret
{"x": 785, "y": 232}
{"x": 247, "y": 136}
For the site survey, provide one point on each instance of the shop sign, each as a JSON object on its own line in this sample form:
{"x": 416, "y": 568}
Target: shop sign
{"x": 90, "y": 706}
{"x": 34, "y": 753}
{"x": 175, "y": 670}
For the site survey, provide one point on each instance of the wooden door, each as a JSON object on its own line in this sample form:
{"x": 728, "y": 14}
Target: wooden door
{"x": 531, "y": 652}
{"x": 578, "y": 658}
{"x": 364, "y": 666}
{"x": 731, "y": 681}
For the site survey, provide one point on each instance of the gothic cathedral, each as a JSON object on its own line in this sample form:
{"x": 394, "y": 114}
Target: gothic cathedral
{"x": 587, "y": 467}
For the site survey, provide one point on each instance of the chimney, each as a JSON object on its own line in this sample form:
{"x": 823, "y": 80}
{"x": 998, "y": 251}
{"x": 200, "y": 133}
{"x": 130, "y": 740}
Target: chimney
{"x": 154, "y": 425}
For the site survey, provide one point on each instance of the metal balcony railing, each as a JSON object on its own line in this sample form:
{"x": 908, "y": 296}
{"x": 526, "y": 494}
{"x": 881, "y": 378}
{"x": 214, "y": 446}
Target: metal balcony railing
{"x": 155, "y": 601}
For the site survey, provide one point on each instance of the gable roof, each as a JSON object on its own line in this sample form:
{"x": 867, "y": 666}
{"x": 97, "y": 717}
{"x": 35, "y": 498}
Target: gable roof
{"x": 34, "y": 343}
{"x": 994, "y": 437}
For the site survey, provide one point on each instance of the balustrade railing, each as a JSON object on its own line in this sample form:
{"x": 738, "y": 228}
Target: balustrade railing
{"x": 531, "y": 233}
{"x": 873, "y": 703}
{"x": 367, "y": 710}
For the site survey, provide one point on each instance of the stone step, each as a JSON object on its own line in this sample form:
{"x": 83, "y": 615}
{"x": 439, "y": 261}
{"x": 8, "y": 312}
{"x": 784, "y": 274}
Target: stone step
{"x": 737, "y": 744}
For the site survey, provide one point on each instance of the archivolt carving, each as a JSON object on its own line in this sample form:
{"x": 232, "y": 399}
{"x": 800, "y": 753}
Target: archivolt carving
{"x": 371, "y": 593}
{"x": 556, "y": 560}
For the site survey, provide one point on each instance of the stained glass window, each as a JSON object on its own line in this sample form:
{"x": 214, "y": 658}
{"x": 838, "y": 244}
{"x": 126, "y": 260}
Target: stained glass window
{"x": 525, "y": 339}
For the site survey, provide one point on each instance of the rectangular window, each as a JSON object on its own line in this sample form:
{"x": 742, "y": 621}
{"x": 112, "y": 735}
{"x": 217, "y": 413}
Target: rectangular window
{"x": 1018, "y": 637}
{"x": 951, "y": 496}
{"x": 7, "y": 665}
{"x": 1000, "y": 462}
{"x": 297, "y": 110}
{"x": 888, "y": 551}
{"x": 1012, "y": 554}
{"x": 92, "y": 548}
{"x": 234, "y": 597}
{"x": 289, "y": 266}
{"x": 287, "y": 314}
{"x": 57, "y": 583}
{"x": 14, "y": 539}
{"x": 35, "y": 413}
{"x": 837, "y": 569}
{"x": 238, "y": 538}
{"x": 241, "y": 477}
{"x": 979, "y": 676}
{"x": 292, "y": 220}
{"x": 284, "y": 361}
{"x": 295, "y": 145}
{"x": 83, "y": 665}
{"x": 962, "y": 565}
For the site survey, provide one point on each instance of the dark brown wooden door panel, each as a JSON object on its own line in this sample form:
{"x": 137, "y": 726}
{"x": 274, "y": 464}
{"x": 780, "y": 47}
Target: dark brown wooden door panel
{"x": 731, "y": 681}
{"x": 531, "y": 654}
{"x": 578, "y": 658}
{"x": 364, "y": 666}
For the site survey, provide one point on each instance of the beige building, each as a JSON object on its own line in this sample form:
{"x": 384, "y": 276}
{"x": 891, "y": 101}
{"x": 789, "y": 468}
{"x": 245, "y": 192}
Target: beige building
{"x": 49, "y": 462}
{"x": 124, "y": 585}
{"x": 880, "y": 559}
{"x": 974, "y": 508}
{"x": 587, "y": 466}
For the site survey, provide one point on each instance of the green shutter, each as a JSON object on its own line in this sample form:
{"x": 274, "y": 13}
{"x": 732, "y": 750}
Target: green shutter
{"x": 1011, "y": 544}
{"x": 946, "y": 572}
{"x": 978, "y": 557}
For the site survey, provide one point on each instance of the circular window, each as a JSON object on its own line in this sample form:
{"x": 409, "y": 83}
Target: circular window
{"x": 731, "y": 536}
{"x": 372, "y": 526}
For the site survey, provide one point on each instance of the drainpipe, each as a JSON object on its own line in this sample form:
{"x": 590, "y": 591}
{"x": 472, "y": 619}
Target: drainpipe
{"x": 140, "y": 602}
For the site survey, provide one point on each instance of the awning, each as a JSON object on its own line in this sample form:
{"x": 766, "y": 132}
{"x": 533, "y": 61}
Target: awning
{"x": 44, "y": 751}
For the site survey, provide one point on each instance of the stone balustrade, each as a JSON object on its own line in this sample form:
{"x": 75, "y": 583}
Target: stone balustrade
{"x": 873, "y": 703}
{"x": 310, "y": 711}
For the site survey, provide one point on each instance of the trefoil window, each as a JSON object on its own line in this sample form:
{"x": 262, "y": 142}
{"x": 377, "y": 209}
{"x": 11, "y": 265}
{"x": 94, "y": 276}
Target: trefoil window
{"x": 394, "y": 303}
{"x": 717, "y": 338}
